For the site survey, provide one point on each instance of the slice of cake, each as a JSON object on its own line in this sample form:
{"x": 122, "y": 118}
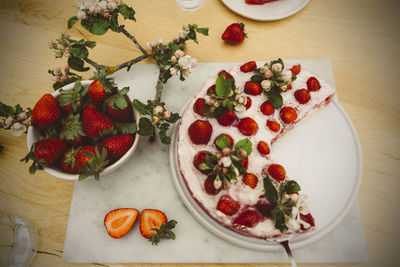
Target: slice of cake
{"x": 225, "y": 152}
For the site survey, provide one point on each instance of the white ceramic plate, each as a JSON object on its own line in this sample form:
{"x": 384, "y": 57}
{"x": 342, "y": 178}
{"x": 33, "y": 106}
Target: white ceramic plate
{"x": 323, "y": 154}
{"x": 270, "y": 11}
{"x": 33, "y": 136}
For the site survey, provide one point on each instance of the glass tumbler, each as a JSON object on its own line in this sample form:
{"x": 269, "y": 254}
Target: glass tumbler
{"x": 189, "y": 5}
{"x": 18, "y": 241}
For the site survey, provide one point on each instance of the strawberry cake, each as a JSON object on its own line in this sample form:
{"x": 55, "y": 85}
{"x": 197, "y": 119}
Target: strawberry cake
{"x": 225, "y": 153}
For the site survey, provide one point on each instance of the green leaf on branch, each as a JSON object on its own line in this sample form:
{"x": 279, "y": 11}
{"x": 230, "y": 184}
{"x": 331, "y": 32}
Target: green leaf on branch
{"x": 71, "y": 22}
{"x": 79, "y": 51}
{"x": 114, "y": 23}
{"x": 100, "y": 26}
{"x": 58, "y": 85}
{"x": 127, "y": 11}
{"x": 6, "y": 110}
{"x": 271, "y": 194}
{"x": 77, "y": 64}
{"x": 90, "y": 44}
{"x": 142, "y": 108}
{"x": 203, "y": 31}
{"x": 164, "y": 138}
{"x": 146, "y": 128}
{"x": 174, "y": 118}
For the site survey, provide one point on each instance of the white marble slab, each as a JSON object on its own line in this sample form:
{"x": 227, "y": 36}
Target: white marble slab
{"x": 145, "y": 182}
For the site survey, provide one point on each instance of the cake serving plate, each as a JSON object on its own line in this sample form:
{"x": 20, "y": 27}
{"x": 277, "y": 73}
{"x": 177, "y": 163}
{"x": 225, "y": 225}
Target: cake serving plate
{"x": 322, "y": 153}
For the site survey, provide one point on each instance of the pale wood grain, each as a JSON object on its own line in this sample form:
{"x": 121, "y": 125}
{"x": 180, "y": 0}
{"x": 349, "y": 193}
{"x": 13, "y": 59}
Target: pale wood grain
{"x": 361, "y": 38}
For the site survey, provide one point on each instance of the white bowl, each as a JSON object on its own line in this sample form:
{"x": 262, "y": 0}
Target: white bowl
{"x": 33, "y": 136}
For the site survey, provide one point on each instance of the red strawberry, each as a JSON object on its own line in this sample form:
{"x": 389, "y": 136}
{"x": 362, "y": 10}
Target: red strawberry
{"x": 245, "y": 163}
{"x": 249, "y": 66}
{"x": 44, "y": 153}
{"x": 277, "y": 172}
{"x": 313, "y": 84}
{"x": 117, "y": 145}
{"x": 251, "y": 180}
{"x": 72, "y": 130}
{"x": 227, "y": 75}
{"x": 308, "y": 218}
{"x": 46, "y": 111}
{"x": 68, "y": 161}
{"x": 289, "y": 87}
{"x": 119, "y": 222}
{"x": 200, "y": 132}
{"x": 302, "y": 96}
{"x": 211, "y": 89}
{"x": 263, "y": 148}
{"x": 265, "y": 207}
{"x": 209, "y": 185}
{"x": 66, "y": 109}
{"x": 94, "y": 122}
{"x": 151, "y": 219}
{"x": 234, "y": 33}
{"x": 119, "y": 107}
{"x": 273, "y": 126}
{"x": 231, "y": 141}
{"x": 267, "y": 108}
{"x": 200, "y": 159}
{"x": 226, "y": 118}
{"x": 227, "y": 205}
{"x": 89, "y": 161}
{"x": 295, "y": 70}
{"x": 199, "y": 106}
{"x": 248, "y": 103}
{"x": 252, "y": 88}
{"x": 97, "y": 92}
{"x": 247, "y": 126}
{"x": 288, "y": 115}
{"x": 248, "y": 218}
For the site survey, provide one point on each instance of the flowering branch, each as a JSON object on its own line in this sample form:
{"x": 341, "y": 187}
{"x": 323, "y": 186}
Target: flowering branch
{"x": 127, "y": 34}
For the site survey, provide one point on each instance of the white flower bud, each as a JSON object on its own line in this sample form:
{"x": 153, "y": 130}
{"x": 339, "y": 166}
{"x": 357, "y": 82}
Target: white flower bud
{"x": 185, "y": 62}
{"x": 66, "y": 35}
{"x": 179, "y": 53}
{"x": 57, "y": 70}
{"x": 158, "y": 110}
{"x": 81, "y": 14}
{"x": 268, "y": 74}
{"x": 18, "y": 129}
{"x": 286, "y": 76}
{"x": 167, "y": 114}
{"x": 153, "y": 43}
{"x": 92, "y": 9}
{"x": 242, "y": 153}
{"x": 276, "y": 67}
{"x": 66, "y": 69}
{"x": 266, "y": 85}
{"x": 156, "y": 120}
{"x": 240, "y": 107}
{"x": 103, "y": 4}
{"x": 27, "y": 121}
{"x": 226, "y": 151}
{"x": 22, "y": 116}
{"x": 112, "y": 5}
{"x": 226, "y": 161}
{"x": 173, "y": 59}
{"x": 263, "y": 69}
{"x": 159, "y": 40}
{"x": 173, "y": 71}
{"x": 9, "y": 121}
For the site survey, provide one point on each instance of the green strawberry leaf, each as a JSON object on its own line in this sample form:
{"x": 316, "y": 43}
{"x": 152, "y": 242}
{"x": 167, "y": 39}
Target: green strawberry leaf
{"x": 271, "y": 194}
{"x": 274, "y": 96}
{"x": 220, "y": 86}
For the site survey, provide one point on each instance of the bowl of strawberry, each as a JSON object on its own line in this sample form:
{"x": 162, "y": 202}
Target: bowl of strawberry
{"x": 82, "y": 130}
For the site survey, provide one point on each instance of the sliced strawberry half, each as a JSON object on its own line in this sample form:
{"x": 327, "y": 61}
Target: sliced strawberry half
{"x": 227, "y": 205}
{"x": 247, "y": 126}
{"x": 263, "y": 148}
{"x": 119, "y": 222}
{"x": 250, "y": 180}
{"x": 252, "y": 88}
{"x": 313, "y": 84}
{"x": 248, "y": 103}
{"x": 295, "y": 70}
{"x": 249, "y": 66}
{"x": 302, "y": 96}
{"x": 267, "y": 108}
{"x": 273, "y": 125}
{"x": 248, "y": 218}
{"x": 151, "y": 219}
{"x": 226, "y": 118}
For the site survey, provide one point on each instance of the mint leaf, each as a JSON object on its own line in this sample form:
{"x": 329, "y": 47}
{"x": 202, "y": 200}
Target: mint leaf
{"x": 222, "y": 142}
{"x": 127, "y": 11}
{"x": 146, "y": 128}
{"x": 72, "y": 21}
{"x": 289, "y": 187}
{"x": 278, "y": 216}
{"x": 203, "y": 31}
{"x": 220, "y": 86}
{"x": 274, "y": 96}
{"x": 244, "y": 144}
{"x": 271, "y": 194}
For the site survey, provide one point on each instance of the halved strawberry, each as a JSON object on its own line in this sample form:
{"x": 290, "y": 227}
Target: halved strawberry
{"x": 277, "y": 172}
{"x": 226, "y": 118}
{"x": 248, "y": 218}
{"x": 231, "y": 141}
{"x": 250, "y": 180}
{"x": 267, "y": 108}
{"x": 249, "y": 66}
{"x": 234, "y": 33}
{"x": 247, "y": 126}
{"x": 313, "y": 84}
{"x": 200, "y": 132}
{"x": 46, "y": 111}
{"x": 227, "y": 205}
{"x": 248, "y": 103}
{"x": 211, "y": 186}
{"x": 295, "y": 70}
{"x": 199, "y": 159}
{"x": 263, "y": 148}
{"x": 302, "y": 96}
{"x": 199, "y": 106}
{"x": 226, "y": 74}
{"x": 288, "y": 115}
{"x": 119, "y": 222}
{"x": 155, "y": 226}
{"x": 252, "y": 88}
{"x": 273, "y": 125}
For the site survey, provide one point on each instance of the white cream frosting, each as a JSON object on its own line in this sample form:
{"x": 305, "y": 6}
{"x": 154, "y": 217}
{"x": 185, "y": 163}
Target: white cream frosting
{"x": 238, "y": 190}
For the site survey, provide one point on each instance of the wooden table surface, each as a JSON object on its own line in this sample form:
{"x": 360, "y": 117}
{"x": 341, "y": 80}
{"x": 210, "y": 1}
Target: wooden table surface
{"x": 361, "y": 38}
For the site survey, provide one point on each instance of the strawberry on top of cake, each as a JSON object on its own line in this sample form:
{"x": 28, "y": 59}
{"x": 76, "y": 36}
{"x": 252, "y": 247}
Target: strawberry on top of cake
{"x": 225, "y": 152}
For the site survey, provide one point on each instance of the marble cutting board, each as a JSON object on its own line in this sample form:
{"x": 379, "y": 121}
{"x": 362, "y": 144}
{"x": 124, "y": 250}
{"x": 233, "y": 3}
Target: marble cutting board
{"x": 145, "y": 182}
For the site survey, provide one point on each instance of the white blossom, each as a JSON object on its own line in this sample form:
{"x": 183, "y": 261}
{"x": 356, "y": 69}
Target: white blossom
{"x": 286, "y": 76}
{"x": 240, "y": 107}
{"x": 276, "y": 67}
{"x": 112, "y": 5}
{"x": 268, "y": 74}
{"x": 103, "y": 4}
{"x": 173, "y": 59}
{"x": 179, "y": 53}
{"x": 156, "y": 119}
{"x": 266, "y": 85}
{"x": 9, "y": 121}
{"x": 226, "y": 161}
{"x": 173, "y": 71}
{"x": 22, "y": 116}
{"x": 185, "y": 62}
{"x": 186, "y": 72}
{"x": 158, "y": 110}
{"x": 18, "y": 129}
{"x": 167, "y": 114}
{"x": 263, "y": 69}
